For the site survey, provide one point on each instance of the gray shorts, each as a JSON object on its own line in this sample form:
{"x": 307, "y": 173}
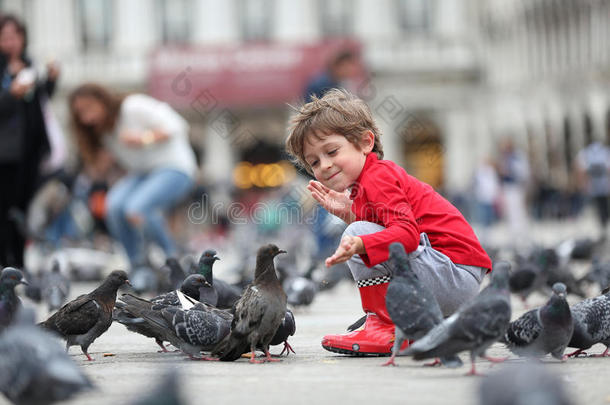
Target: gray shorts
{"x": 452, "y": 284}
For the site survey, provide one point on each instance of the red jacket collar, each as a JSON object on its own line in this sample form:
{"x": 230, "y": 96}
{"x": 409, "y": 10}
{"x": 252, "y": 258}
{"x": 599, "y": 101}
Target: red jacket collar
{"x": 371, "y": 159}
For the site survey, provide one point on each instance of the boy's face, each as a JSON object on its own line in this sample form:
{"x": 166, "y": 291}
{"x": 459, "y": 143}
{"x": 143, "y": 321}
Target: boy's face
{"x": 335, "y": 161}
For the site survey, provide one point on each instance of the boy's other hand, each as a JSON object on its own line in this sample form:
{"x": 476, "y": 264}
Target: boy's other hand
{"x": 334, "y": 202}
{"x": 349, "y": 246}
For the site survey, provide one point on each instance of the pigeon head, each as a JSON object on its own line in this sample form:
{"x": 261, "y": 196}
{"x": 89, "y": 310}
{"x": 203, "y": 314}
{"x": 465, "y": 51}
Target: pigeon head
{"x": 500, "y": 275}
{"x": 560, "y": 290}
{"x": 195, "y": 281}
{"x": 398, "y": 258}
{"x": 269, "y": 250}
{"x": 118, "y": 278}
{"x": 12, "y": 277}
{"x": 206, "y": 261}
{"x": 264, "y": 258}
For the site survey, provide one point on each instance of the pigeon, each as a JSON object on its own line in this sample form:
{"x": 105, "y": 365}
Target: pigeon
{"x": 35, "y": 369}
{"x": 172, "y": 275}
{"x": 543, "y": 330}
{"x": 202, "y": 326}
{"x": 599, "y": 273}
{"x": 33, "y": 290}
{"x": 591, "y": 324}
{"x": 84, "y": 319}
{"x": 220, "y": 293}
{"x": 129, "y": 305}
{"x": 144, "y": 279}
{"x": 527, "y": 278}
{"x": 166, "y": 392}
{"x": 287, "y": 328}
{"x": 9, "y": 302}
{"x": 55, "y": 287}
{"x": 300, "y": 290}
{"x": 474, "y": 327}
{"x": 411, "y": 306}
{"x": 526, "y": 383}
{"x": 258, "y": 313}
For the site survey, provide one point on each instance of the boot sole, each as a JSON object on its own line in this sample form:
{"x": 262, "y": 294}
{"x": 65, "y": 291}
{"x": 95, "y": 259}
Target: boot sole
{"x": 353, "y": 353}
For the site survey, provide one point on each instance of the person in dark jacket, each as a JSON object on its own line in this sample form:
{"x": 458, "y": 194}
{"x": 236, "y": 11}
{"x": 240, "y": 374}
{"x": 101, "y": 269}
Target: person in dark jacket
{"x": 23, "y": 135}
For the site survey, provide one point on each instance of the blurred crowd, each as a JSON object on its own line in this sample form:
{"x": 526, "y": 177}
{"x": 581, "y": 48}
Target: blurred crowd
{"x": 132, "y": 190}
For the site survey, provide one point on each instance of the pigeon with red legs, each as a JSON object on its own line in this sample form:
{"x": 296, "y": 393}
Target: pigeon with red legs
{"x": 86, "y": 318}
{"x": 475, "y": 327}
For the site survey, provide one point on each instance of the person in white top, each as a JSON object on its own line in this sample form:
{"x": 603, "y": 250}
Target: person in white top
{"x": 150, "y": 141}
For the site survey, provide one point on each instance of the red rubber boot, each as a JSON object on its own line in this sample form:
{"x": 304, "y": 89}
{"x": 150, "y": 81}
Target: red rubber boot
{"x": 376, "y": 338}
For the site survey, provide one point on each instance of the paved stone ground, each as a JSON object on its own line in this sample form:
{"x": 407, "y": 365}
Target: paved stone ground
{"x": 313, "y": 375}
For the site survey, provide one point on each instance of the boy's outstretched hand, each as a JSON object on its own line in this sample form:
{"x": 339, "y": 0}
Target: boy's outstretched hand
{"x": 349, "y": 246}
{"x": 334, "y": 202}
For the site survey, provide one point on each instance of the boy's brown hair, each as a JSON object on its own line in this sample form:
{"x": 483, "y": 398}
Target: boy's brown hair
{"x": 337, "y": 112}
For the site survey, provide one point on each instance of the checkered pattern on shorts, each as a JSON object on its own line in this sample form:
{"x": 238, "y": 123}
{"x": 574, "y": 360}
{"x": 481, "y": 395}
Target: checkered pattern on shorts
{"x": 373, "y": 281}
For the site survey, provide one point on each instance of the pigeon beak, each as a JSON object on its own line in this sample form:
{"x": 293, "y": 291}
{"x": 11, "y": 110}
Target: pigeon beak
{"x": 206, "y": 284}
{"x": 216, "y": 258}
{"x": 24, "y": 282}
{"x": 281, "y": 251}
{"x": 127, "y": 282}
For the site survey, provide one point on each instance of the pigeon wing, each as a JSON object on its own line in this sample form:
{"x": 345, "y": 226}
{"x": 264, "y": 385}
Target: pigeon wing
{"x": 523, "y": 331}
{"x": 76, "y": 317}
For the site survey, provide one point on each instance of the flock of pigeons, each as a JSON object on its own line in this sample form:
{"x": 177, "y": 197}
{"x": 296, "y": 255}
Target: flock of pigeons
{"x": 203, "y": 315}
{"x": 208, "y": 319}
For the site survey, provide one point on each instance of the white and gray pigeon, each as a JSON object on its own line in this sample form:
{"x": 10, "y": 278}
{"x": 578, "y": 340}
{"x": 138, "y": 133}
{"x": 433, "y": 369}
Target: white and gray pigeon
{"x": 474, "y": 327}
{"x": 129, "y": 306}
{"x": 591, "y": 324}
{"x": 55, "y": 287}
{"x": 9, "y": 301}
{"x": 411, "y": 305}
{"x": 528, "y": 383}
{"x": 544, "y": 330}
{"x": 35, "y": 369}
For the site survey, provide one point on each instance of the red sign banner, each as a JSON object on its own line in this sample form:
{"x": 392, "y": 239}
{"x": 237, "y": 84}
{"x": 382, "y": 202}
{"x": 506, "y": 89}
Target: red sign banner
{"x": 244, "y": 75}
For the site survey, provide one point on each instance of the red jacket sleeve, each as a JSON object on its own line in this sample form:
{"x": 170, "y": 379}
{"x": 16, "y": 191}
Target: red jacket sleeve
{"x": 387, "y": 204}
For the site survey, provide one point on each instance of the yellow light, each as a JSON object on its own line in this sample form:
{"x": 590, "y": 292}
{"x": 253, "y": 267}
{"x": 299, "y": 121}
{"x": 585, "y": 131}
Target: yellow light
{"x": 242, "y": 175}
{"x": 272, "y": 175}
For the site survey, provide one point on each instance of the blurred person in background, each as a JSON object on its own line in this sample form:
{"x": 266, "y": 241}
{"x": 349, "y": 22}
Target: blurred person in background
{"x": 514, "y": 172}
{"x": 341, "y": 67}
{"x": 24, "y": 139}
{"x": 593, "y": 168}
{"x": 486, "y": 190}
{"x": 148, "y": 139}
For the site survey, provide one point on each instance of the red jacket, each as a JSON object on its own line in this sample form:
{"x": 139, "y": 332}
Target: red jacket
{"x": 386, "y": 195}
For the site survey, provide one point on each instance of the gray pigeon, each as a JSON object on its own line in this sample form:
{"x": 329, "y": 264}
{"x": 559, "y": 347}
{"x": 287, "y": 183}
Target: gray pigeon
{"x": 475, "y": 327}
{"x": 129, "y": 306}
{"x": 9, "y": 302}
{"x": 191, "y": 330}
{"x": 299, "y": 290}
{"x": 34, "y": 368}
{"x": 167, "y": 392}
{"x": 202, "y": 326}
{"x": 219, "y": 293}
{"x": 410, "y": 304}
{"x": 258, "y": 313}
{"x": 591, "y": 324}
{"x": 55, "y": 287}
{"x": 543, "y": 330}
{"x": 86, "y": 318}
{"x": 526, "y": 383}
